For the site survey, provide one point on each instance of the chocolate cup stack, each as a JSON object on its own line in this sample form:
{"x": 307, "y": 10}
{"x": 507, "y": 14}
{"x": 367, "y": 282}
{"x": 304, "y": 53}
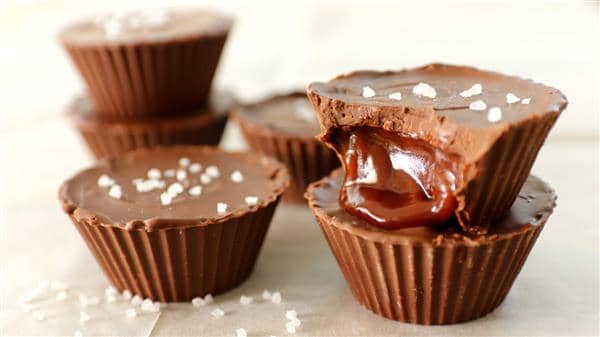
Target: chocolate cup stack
{"x": 151, "y": 87}
{"x": 430, "y": 275}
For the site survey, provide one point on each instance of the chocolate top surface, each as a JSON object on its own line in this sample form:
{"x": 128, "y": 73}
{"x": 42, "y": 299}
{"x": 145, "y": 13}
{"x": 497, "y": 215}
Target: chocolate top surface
{"x": 173, "y": 187}
{"x": 532, "y": 207}
{"x": 290, "y": 114}
{"x": 150, "y": 25}
{"x": 464, "y": 95}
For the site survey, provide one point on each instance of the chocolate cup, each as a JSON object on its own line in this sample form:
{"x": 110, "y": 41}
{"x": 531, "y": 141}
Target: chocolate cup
{"x": 306, "y": 159}
{"x": 106, "y": 138}
{"x": 139, "y": 80}
{"x": 425, "y": 282}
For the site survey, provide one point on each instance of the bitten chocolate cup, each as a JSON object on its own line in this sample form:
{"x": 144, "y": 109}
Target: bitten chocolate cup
{"x": 431, "y": 276}
{"x": 147, "y": 63}
{"x": 490, "y": 126}
{"x": 171, "y": 224}
{"x": 107, "y": 138}
{"x": 284, "y": 127}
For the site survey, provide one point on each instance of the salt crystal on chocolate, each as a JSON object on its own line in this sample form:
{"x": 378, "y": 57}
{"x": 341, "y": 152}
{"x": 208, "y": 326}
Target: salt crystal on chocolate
{"x": 368, "y": 92}
{"x": 111, "y": 291}
{"x": 197, "y": 302}
{"x": 221, "y": 207}
{"x": 208, "y": 299}
{"x": 478, "y": 105}
{"x": 170, "y": 173}
{"x": 175, "y": 189}
{"x": 424, "y": 89}
{"x": 184, "y": 162}
{"x": 105, "y": 181}
{"x": 251, "y": 200}
{"x": 494, "y": 114}
{"x": 276, "y": 297}
{"x": 213, "y": 171}
{"x": 512, "y": 98}
{"x": 165, "y": 198}
{"x": 127, "y": 294}
{"x": 136, "y": 300}
{"x": 526, "y": 100}
{"x": 205, "y": 179}
{"x": 195, "y": 168}
{"x": 195, "y": 191}
{"x": 115, "y": 191}
{"x": 476, "y": 89}
{"x": 241, "y": 332}
{"x": 245, "y": 300}
{"x": 237, "y": 176}
{"x": 154, "y": 173}
{"x": 131, "y": 313}
{"x": 181, "y": 175}
{"x": 395, "y": 96}
{"x": 217, "y": 313}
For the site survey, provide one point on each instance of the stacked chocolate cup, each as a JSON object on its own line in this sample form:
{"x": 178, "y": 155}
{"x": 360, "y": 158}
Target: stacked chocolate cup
{"x": 148, "y": 77}
{"x": 435, "y": 210}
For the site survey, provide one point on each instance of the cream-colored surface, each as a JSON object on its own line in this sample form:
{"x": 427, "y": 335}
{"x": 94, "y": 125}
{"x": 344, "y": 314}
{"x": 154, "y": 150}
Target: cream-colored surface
{"x": 277, "y": 45}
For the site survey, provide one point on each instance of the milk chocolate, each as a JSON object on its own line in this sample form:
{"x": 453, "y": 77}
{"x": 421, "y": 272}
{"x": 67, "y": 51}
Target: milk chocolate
{"x": 491, "y": 125}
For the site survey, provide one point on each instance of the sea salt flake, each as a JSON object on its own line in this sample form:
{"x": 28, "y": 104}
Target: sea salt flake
{"x": 165, "y": 198}
{"x": 184, "y": 162}
{"x": 84, "y": 317}
{"x": 197, "y": 302}
{"x": 476, "y": 89}
{"x": 478, "y": 105}
{"x": 494, "y": 114}
{"x": 136, "y": 300}
{"x": 127, "y": 294}
{"x": 290, "y": 327}
{"x": 39, "y": 315}
{"x": 395, "y": 96}
{"x": 221, "y": 207}
{"x": 245, "y": 300}
{"x": 368, "y": 92}
{"x": 175, "y": 189}
{"x": 195, "y": 168}
{"x": 131, "y": 313}
{"x": 115, "y": 192}
{"x": 217, "y": 313}
{"x": 154, "y": 173}
{"x": 526, "y": 100}
{"x": 213, "y": 171}
{"x": 111, "y": 291}
{"x": 251, "y": 200}
{"x": 512, "y": 98}
{"x": 149, "y": 306}
{"x": 61, "y": 295}
{"x": 181, "y": 175}
{"x": 276, "y": 297}
{"x": 241, "y": 332}
{"x": 424, "y": 89}
{"x": 237, "y": 176}
{"x": 205, "y": 179}
{"x": 266, "y": 295}
{"x": 170, "y": 173}
{"x": 105, "y": 181}
{"x": 208, "y": 299}
{"x": 291, "y": 314}
{"x": 195, "y": 190}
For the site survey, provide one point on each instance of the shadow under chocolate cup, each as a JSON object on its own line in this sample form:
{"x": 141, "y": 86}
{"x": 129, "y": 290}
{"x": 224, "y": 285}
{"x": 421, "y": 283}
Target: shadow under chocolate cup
{"x": 145, "y": 64}
{"x": 430, "y": 276}
{"x": 272, "y": 127}
{"x": 109, "y": 138}
{"x": 189, "y": 247}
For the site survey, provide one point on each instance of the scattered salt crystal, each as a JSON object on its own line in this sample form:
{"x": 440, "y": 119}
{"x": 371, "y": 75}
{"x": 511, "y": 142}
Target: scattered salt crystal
{"x": 184, "y": 162}
{"x": 290, "y": 327}
{"x": 213, "y": 171}
{"x": 165, "y": 198}
{"x": 395, "y": 96}
{"x": 245, "y": 300}
{"x": 136, "y": 300}
{"x": 237, "y": 176}
{"x": 512, "y": 98}
{"x": 205, "y": 179}
{"x": 110, "y": 291}
{"x": 476, "y": 89}
{"x": 424, "y": 89}
{"x": 266, "y": 295}
{"x": 154, "y": 173}
{"x": 195, "y": 168}
{"x": 127, "y": 294}
{"x": 111, "y": 299}
{"x": 197, "y": 302}
{"x": 291, "y": 314}
{"x": 276, "y": 297}
{"x": 77, "y": 334}
{"x": 137, "y": 181}
{"x": 131, "y": 313}
{"x": 221, "y": 207}
{"x": 478, "y": 105}
{"x": 84, "y": 317}
{"x": 181, "y": 175}
{"x": 217, "y": 313}
{"x": 251, "y": 200}
{"x": 39, "y": 315}
{"x": 494, "y": 114}
{"x": 105, "y": 181}
{"x": 61, "y": 295}
{"x": 526, "y": 100}
{"x": 115, "y": 192}
{"x": 241, "y": 332}
{"x": 174, "y": 189}
{"x": 170, "y": 173}
{"x": 195, "y": 190}
{"x": 368, "y": 92}
{"x": 149, "y": 306}
{"x": 208, "y": 299}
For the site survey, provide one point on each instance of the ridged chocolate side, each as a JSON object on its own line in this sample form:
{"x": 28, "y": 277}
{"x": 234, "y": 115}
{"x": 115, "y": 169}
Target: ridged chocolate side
{"x": 134, "y": 81}
{"x": 306, "y": 158}
{"x": 426, "y": 283}
{"x": 108, "y": 139}
{"x": 503, "y": 170}
{"x": 178, "y": 264}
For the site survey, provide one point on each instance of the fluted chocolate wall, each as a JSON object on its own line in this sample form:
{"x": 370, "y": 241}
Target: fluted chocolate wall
{"x": 171, "y": 265}
{"x": 306, "y": 159}
{"x": 134, "y": 81}
{"x": 426, "y": 283}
